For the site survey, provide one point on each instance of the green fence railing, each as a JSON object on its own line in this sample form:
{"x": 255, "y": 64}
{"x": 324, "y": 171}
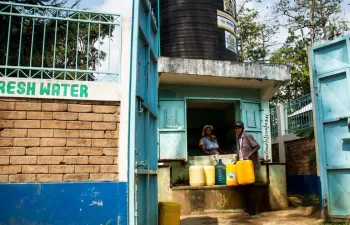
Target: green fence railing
{"x": 58, "y": 43}
{"x": 273, "y": 122}
{"x": 298, "y": 114}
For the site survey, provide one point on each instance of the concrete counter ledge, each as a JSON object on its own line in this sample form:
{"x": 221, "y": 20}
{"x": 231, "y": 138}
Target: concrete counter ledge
{"x": 215, "y": 187}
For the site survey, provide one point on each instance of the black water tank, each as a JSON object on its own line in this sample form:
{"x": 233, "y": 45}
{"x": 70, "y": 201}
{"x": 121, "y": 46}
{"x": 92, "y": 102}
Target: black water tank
{"x": 189, "y": 29}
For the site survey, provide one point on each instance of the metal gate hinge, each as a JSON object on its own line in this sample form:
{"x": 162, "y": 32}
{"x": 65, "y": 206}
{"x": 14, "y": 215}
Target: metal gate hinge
{"x": 141, "y": 164}
{"x": 140, "y": 106}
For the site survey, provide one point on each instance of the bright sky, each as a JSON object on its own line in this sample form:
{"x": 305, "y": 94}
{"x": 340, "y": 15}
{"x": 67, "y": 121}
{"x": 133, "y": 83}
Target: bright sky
{"x": 112, "y": 62}
{"x": 112, "y": 6}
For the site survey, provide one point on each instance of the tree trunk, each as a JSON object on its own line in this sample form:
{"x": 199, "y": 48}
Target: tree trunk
{"x": 324, "y": 29}
{"x": 311, "y": 18}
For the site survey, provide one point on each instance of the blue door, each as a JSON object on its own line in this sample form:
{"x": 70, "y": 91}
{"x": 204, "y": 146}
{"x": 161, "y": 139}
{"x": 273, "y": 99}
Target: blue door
{"x": 250, "y": 115}
{"x": 143, "y": 157}
{"x": 330, "y": 74}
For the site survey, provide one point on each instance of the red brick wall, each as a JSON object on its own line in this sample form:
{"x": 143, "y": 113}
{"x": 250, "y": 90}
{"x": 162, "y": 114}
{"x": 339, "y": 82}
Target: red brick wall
{"x": 55, "y": 140}
{"x": 297, "y": 157}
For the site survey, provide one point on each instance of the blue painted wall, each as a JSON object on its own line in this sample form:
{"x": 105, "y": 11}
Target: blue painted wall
{"x": 303, "y": 184}
{"x": 181, "y": 91}
{"x": 180, "y": 147}
{"x": 88, "y": 203}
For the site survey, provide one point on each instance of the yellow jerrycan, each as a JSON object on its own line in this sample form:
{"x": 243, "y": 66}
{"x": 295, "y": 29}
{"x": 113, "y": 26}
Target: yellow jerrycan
{"x": 209, "y": 173}
{"x": 169, "y": 213}
{"x": 231, "y": 175}
{"x": 245, "y": 172}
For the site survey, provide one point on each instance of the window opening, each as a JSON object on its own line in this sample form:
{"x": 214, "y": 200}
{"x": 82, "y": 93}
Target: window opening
{"x": 221, "y": 115}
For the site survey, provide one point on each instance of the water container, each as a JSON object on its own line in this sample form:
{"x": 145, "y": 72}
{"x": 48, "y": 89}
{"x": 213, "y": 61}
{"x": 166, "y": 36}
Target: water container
{"x": 220, "y": 173}
{"x": 197, "y": 176}
{"x": 209, "y": 175}
{"x": 231, "y": 175}
{"x": 189, "y": 29}
{"x": 245, "y": 172}
{"x": 169, "y": 213}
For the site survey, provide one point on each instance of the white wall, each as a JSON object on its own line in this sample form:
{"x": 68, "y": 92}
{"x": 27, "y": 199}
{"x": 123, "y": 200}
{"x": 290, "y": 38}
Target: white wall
{"x": 126, "y": 14}
{"x": 266, "y": 130}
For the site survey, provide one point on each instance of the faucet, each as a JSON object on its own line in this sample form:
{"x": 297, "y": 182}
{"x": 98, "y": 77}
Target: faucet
{"x": 141, "y": 163}
{"x": 216, "y": 158}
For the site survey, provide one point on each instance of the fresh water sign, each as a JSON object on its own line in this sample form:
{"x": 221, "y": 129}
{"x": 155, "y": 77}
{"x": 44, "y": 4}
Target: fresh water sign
{"x": 59, "y": 89}
{"x": 226, "y": 21}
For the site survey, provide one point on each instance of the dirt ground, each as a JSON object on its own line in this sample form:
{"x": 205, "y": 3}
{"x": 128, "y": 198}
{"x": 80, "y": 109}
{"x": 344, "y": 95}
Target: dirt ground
{"x": 296, "y": 216}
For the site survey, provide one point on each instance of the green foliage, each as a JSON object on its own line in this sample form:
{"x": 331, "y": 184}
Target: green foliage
{"x": 181, "y": 180}
{"x": 306, "y": 133}
{"x": 255, "y": 38}
{"x": 313, "y": 19}
{"x": 312, "y": 158}
{"x": 293, "y": 53}
{"x": 77, "y": 51}
{"x": 54, "y": 3}
{"x": 307, "y": 21}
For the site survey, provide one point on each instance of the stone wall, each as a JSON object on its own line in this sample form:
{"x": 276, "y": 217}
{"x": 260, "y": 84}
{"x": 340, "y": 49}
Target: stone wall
{"x": 298, "y": 157}
{"x": 301, "y": 172}
{"x": 56, "y": 140}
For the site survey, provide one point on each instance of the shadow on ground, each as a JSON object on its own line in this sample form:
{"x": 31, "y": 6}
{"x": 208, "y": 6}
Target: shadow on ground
{"x": 222, "y": 219}
{"x": 200, "y": 221}
{"x": 299, "y": 216}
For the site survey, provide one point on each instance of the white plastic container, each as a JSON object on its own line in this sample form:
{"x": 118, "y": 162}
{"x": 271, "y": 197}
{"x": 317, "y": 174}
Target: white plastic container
{"x": 197, "y": 176}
